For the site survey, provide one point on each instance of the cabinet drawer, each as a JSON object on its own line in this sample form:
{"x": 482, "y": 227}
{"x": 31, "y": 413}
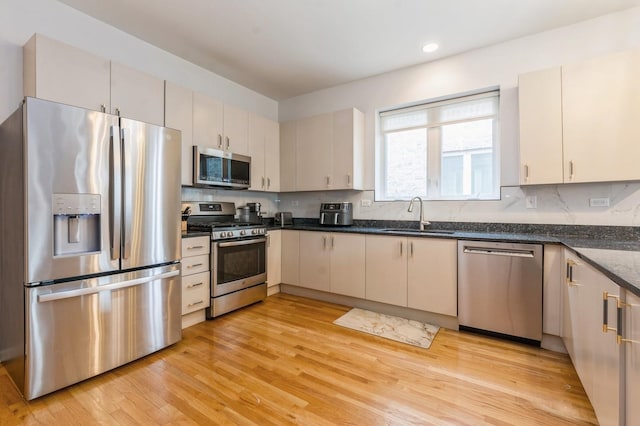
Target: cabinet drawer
{"x": 195, "y": 264}
{"x": 195, "y": 246}
{"x": 195, "y": 292}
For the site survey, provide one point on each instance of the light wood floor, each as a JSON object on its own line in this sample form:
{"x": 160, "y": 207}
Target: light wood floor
{"x": 284, "y": 362}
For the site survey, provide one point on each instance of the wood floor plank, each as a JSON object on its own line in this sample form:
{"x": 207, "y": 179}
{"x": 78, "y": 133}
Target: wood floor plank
{"x": 284, "y": 362}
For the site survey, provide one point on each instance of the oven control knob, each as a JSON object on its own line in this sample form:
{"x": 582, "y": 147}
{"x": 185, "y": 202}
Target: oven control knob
{"x": 223, "y": 234}
{"x": 261, "y": 231}
{"x": 243, "y": 232}
{"x": 254, "y": 231}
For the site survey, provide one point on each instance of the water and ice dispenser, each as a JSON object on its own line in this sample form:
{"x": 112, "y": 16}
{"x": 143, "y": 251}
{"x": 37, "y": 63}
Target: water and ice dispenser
{"x": 76, "y": 224}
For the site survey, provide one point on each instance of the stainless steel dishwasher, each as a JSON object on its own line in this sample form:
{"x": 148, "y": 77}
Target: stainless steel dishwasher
{"x": 500, "y": 289}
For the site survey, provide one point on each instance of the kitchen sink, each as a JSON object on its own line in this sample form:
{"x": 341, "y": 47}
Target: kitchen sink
{"x": 417, "y": 231}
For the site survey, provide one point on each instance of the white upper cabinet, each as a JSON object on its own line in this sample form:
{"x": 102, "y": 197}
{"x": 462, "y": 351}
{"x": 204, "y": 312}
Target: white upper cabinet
{"x": 288, "y": 151}
{"x": 264, "y": 150}
{"x": 179, "y": 115}
{"x": 272, "y": 155}
{"x": 540, "y": 98}
{"x": 579, "y": 123}
{"x": 601, "y": 106}
{"x": 219, "y": 126}
{"x": 208, "y": 121}
{"x": 323, "y": 152}
{"x": 348, "y": 150}
{"x": 236, "y": 127}
{"x": 136, "y": 95}
{"x": 314, "y": 152}
{"x": 62, "y": 73}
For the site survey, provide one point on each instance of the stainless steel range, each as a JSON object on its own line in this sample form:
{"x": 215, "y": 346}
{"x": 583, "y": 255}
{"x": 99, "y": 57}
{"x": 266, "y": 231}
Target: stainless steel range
{"x": 238, "y": 255}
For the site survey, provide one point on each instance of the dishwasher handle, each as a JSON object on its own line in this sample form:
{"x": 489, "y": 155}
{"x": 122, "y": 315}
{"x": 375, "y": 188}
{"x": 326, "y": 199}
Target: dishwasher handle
{"x": 492, "y": 251}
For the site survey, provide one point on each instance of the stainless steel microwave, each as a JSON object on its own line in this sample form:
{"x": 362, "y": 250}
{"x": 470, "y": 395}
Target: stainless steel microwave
{"x": 217, "y": 168}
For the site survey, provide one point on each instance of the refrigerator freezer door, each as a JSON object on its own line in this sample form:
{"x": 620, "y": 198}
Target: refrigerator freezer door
{"x": 70, "y": 154}
{"x": 151, "y": 194}
{"x": 79, "y": 329}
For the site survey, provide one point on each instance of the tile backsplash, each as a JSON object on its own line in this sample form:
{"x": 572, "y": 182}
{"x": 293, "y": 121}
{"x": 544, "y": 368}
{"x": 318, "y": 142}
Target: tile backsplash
{"x": 554, "y": 204}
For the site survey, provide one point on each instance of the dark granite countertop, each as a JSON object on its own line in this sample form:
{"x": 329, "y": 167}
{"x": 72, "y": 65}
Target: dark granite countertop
{"x": 614, "y": 250}
{"x": 192, "y": 234}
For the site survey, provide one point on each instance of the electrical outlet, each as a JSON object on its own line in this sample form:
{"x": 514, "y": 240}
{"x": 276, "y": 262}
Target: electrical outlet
{"x": 294, "y": 203}
{"x": 531, "y": 202}
{"x": 365, "y": 203}
{"x": 599, "y": 202}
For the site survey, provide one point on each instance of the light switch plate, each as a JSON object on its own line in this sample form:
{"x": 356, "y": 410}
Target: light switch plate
{"x": 365, "y": 203}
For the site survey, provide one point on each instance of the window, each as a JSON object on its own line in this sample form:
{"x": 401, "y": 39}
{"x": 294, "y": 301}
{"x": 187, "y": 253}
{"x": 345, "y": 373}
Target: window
{"x": 446, "y": 150}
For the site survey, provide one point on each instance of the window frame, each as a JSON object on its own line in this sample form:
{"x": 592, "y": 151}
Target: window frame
{"x": 434, "y": 142}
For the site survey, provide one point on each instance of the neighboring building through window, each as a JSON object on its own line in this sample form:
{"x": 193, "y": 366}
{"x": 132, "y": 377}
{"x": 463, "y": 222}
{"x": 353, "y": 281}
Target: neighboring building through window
{"x": 445, "y": 150}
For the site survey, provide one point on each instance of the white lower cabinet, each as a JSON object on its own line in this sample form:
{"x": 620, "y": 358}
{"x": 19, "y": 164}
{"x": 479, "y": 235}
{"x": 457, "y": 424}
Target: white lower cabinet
{"x": 420, "y": 273}
{"x": 332, "y": 262}
{"x": 590, "y": 336}
{"x": 290, "y": 266}
{"x": 386, "y": 271}
{"x": 631, "y": 335}
{"x": 196, "y": 278}
{"x": 432, "y": 275}
{"x": 274, "y": 255}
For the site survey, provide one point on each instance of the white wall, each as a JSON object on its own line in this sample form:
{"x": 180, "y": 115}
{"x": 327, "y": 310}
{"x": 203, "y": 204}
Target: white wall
{"x": 20, "y": 19}
{"x": 497, "y": 65}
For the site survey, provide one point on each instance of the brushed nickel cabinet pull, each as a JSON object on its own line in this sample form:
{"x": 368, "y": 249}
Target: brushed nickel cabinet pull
{"x": 195, "y": 265}
{"x": 199, "y": 302}
{"x": 195, "y": 285}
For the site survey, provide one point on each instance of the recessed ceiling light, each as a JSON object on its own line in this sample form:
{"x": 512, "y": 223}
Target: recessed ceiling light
{"x": 430, "y": 47}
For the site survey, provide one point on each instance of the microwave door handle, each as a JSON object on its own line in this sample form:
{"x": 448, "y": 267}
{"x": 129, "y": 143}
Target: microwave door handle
{"x": 115, "y": 192}
{"x": 126, "y": 206}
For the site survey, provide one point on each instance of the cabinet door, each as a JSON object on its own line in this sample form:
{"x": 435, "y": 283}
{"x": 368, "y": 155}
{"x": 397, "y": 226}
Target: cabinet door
{"x": 386, "y": 270}
{"x": 272, "y": 155}
{"x": 432, "y": 275}
{"x": 290, "y": 257}
{"x": 195, "y": 292}
{"x": 136, "y": 95}
{"x": 236, "y": 125}
{"x": 540, "y": 106}
{"x": 256, "y": 144}
{"x": 178, "y": 114}
{"x": 314, "y": 152}
{"x": 348, "y": 149}
{"x": 600, "y": 118}
{"x": 288, "y": 153}
{"x": 315, "y": 260}
{"x": 207, "y": 121}
{"x": 348, "y": 264}
{"x": 595, "y": 354}
{"x": 58, "y": 72}
{"x": 631, "y": 332}
{"x": 274, "y": 255}
{"x": 552, "y": 291}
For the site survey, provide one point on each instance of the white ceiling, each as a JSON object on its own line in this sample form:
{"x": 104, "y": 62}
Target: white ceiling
{"x": 285, "y": 48}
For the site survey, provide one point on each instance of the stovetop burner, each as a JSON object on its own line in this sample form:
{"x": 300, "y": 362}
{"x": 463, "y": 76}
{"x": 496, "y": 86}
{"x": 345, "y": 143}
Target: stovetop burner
{"x": 218, "y": 218}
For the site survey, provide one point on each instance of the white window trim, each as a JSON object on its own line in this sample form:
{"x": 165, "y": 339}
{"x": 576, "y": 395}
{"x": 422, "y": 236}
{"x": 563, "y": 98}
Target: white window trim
{"x": 380, "y": 170}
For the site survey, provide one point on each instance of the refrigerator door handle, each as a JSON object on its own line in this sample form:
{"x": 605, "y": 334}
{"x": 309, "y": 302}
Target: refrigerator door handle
{"x": 109, "y": 287}
{"x": 126, "y": 206}
{"x": 115, "y": 193}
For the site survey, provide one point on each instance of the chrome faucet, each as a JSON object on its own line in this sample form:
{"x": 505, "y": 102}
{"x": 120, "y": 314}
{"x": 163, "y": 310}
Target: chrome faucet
{"x": 423, "y": 222}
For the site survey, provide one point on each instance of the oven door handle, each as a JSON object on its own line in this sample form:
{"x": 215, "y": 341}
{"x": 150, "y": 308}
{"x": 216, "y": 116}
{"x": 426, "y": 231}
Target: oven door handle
{"x": 243, "y": 243}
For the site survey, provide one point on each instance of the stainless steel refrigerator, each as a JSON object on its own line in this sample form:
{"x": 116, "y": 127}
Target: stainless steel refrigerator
{"x": 89, "y": 243}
